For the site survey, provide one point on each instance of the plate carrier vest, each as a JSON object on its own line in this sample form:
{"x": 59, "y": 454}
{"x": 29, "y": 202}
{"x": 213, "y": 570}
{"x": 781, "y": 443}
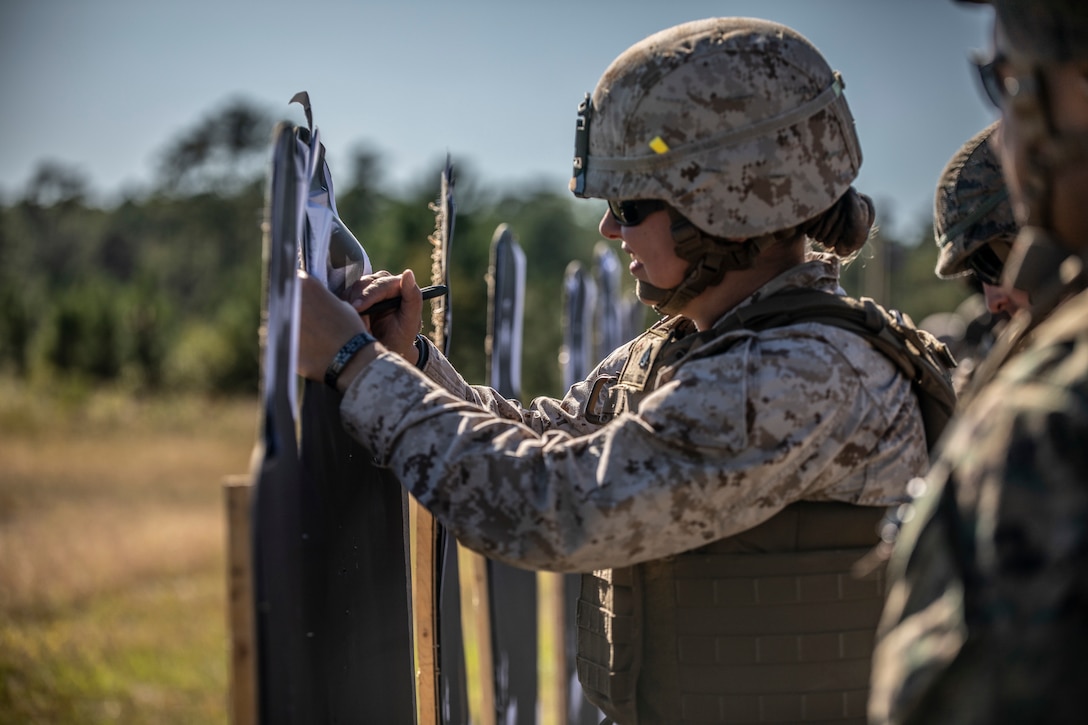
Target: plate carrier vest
{"x": 769, "y": 625}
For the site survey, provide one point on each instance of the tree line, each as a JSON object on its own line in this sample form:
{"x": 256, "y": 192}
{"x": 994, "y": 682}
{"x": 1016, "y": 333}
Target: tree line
{"x": 161, "y": 291}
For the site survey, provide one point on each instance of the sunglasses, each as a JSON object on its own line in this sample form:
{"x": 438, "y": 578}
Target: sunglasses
{"x": 986, "y": 265}
{"x": 633, "y": 212}
{"x": 993, "y": 85}
{"x": 998, "y": 83}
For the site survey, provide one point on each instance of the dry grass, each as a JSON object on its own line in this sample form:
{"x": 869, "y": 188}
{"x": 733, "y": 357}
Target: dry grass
{"x": 112, "y": 574}
{"x": 112, "y": 586}
{"x": 68, "y": 552}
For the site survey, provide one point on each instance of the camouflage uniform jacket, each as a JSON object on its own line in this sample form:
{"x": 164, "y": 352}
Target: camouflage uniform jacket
{"x": 720, "y": 444}
{"x": 987, "y": 615}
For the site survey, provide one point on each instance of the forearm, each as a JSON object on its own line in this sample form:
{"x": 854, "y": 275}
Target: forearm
{"x": 541, "y": 415}
{"x": 559, "y": 501}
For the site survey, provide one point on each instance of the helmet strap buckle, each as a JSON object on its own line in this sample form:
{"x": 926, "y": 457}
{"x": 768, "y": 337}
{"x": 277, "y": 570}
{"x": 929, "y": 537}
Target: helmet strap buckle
{"x": 581, "y": 146}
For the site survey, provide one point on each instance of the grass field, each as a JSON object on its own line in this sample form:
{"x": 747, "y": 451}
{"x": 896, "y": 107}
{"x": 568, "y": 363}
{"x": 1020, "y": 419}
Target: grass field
{"x": 112, "y": 579}
{"x": 112, "y": 573}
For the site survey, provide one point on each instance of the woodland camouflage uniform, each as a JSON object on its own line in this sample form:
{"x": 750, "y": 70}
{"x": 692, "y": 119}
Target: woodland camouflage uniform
{"x": 987, "y": 615}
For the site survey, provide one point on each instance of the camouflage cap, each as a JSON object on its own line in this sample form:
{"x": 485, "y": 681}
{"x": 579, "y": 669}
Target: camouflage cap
{"x": 972, "y": 206}
{"x": 738, "y": 123}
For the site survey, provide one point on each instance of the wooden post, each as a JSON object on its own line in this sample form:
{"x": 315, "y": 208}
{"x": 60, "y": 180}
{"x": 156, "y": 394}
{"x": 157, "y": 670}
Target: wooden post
{"x": 553, "y": 678}
{"x": 422, "y": 546}
{"x": 241, "y": 628}
{"x": 476, "y": 626}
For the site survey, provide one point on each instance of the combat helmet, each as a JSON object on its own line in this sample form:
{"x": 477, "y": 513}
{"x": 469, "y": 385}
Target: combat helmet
{"x": 971, "y": 208}
{"x": 739, "y": 124}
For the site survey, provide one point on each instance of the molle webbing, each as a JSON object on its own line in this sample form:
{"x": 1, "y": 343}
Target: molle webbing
{"x": 770, "y": 625}
{"x": 664, "y": 344}
{"x": 609, "y": 621}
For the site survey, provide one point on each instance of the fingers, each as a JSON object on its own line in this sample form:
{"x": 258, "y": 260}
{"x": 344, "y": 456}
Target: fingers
{"x": 395, "y": 327}
{"x": 409, "y": 289}
{"x": 411, "y": 308}
{"x": 372, "y": 289}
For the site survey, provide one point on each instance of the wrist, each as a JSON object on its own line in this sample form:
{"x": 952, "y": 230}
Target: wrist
{"x": 356, "y": 366}
{"x": 345, "y": 357}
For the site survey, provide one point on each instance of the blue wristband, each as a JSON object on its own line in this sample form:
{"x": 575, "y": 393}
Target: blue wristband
{"x": 344, "y": 356}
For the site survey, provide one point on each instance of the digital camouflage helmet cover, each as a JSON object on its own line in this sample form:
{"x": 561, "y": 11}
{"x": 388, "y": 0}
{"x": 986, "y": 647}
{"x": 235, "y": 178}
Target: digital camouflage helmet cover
{"x": 738, "y": 123}
{"x": 971, "y": 208}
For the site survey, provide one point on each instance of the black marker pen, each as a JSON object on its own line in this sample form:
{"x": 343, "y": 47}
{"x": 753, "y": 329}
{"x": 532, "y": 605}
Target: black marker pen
{"x": 393, "y": 303}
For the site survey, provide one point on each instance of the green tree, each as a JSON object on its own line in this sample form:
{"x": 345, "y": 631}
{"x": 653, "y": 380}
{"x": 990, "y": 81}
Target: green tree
{"x": 164, "y": 288}
{"x": 84, "y": 334}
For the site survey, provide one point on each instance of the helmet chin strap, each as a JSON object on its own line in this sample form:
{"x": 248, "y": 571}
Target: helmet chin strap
{"x": 673, "y": 301}
{"x": 709, "y": 258}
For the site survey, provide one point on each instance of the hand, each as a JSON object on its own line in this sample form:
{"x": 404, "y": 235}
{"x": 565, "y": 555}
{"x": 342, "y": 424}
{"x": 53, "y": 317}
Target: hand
{"x": 395, "y": 329}
{"x": 325, "y": 324}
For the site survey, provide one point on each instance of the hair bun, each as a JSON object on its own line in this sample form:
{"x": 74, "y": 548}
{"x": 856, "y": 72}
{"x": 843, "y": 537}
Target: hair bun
{"x": 845, "y": 227}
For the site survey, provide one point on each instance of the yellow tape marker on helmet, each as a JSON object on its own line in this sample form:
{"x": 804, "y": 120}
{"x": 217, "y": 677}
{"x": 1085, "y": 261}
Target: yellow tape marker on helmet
{"x": 658, "y": 145}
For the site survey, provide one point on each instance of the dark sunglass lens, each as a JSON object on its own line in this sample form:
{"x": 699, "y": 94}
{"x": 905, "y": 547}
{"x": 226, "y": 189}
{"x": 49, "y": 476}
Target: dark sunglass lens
{"x": 618, "y": 210}
{"x": 991, "y": 81}
{"x": 986, "y": 265}
{"x": 631, "y": 213}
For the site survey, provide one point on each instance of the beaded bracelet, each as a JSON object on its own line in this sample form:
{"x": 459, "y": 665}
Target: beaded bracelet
{"x": 344, "y": 356}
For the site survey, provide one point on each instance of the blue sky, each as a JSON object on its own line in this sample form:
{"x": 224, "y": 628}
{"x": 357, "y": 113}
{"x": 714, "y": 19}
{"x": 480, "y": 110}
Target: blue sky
{"x": 104, "y": 85}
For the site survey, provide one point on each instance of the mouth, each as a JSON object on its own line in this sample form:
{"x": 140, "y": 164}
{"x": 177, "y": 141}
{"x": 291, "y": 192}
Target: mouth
{"x": 636, "y": 264}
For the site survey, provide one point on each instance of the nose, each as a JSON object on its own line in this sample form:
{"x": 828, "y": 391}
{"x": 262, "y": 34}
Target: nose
{"x": 609, "y": 227}
{"x": 997, "y": 299}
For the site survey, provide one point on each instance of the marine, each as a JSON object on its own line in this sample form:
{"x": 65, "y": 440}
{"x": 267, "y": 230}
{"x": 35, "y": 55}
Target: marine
{"x": 987, "y": 614}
